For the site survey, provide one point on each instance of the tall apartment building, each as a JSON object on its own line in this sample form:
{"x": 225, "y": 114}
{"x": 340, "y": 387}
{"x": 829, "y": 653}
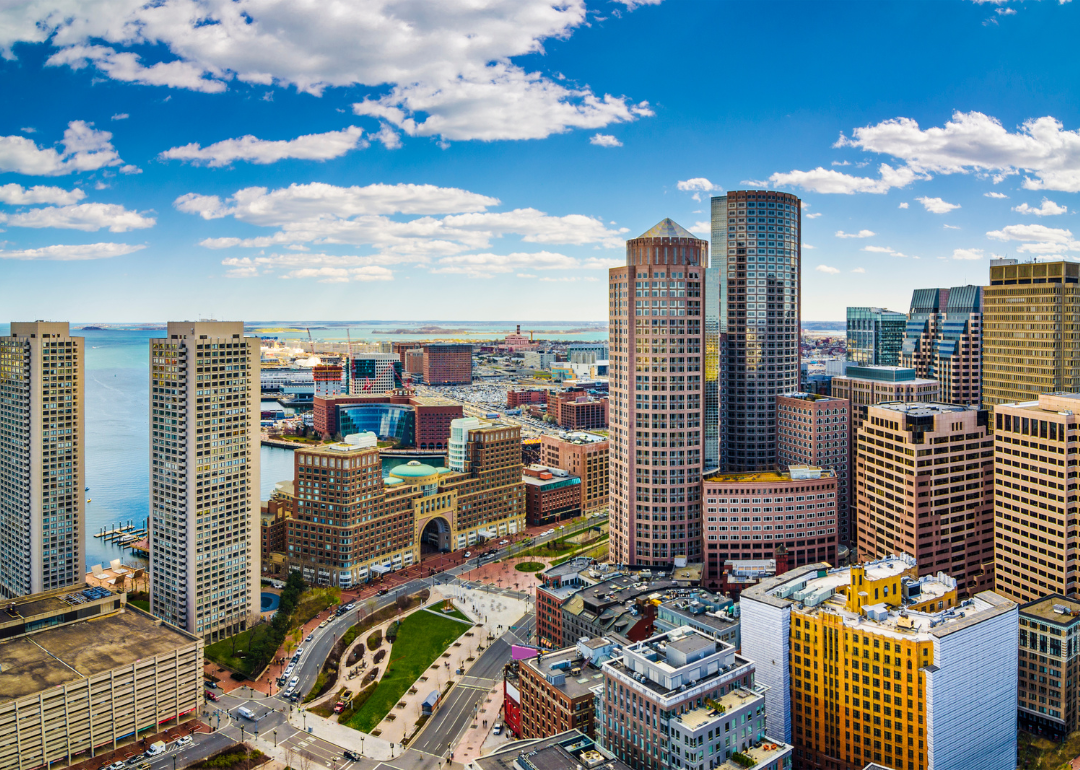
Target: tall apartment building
{"x": 447, "y": 363}
{"x": 42, "y": 471}
{"x": 684, "y": 700}
{"x": 924, "y": 485}
{"x": 204, "y": 477}
{"x": 943, "y": 341}
{"x": 586, "y": 456}
{"x": 752, "y": 515}
{"x": 864, "y": 386}
{"x": 874, "y": 336}
{"x": 1029, "y": 346}
{"x": 756, "y": 247}
{"x": 1036, "y": 444}
{"x": 816, "y": 430}
{"x": 414, "y": 360}
{"x": 656, "y": 337}
{"x": 1049, "y": 692}
{"x": 872, "y": 664}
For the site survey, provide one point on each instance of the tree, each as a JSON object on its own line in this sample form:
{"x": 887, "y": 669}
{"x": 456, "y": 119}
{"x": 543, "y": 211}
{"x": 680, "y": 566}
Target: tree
{"x": 402, "y": 603}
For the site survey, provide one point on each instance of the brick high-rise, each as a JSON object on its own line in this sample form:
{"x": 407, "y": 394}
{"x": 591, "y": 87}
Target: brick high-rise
{"x": 756, "y": 251}
{"x": 656, "y": 342}
{"x": 447, "y": 363}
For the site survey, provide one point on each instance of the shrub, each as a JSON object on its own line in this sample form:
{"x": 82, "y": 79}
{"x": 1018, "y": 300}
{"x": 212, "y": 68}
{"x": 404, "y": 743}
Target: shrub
{"x": 379, "y": 656}
{"x": 391, "y": 631}
{"x": 374, "y": 641}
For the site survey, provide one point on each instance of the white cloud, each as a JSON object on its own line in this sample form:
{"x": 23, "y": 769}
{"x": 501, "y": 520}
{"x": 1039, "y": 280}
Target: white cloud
{"x": 450, "y": 62}
{"x": 951, "y": 227}
{"x": 841, "y": 163}
{"x": 130, "y": 169}
{"x": 704, "y": 228}
{"x": 1037, "y": 239}
{"x": 525, "y": 275}
{"x": 69, "y": 253}
{"x": 859, "y": 270}
{"x": 121, "y": 116}
{"x": 807, "y": 246}
{"x": 824, "y": 180}
{"x": 884, "y": 250}
{"x": 332, "y": 144}
{"x": 968, "y": 254}
{"x": 15, "y": 195}
{"x": 85, "y": 149}
{"x": 827, "y": 269}
{"x": 1009, "y": 11}
{"x": 812, "y": 216}
{"x": 1047, "y": 209}
{"x": 604, "y": 140}
{"x": 632, "y": 4}
{"x": 697, "y": 184}
{"x": 937, "y": 205}
{"x": 995, "y": 195}
{"x": 903, "y": 205}
{"x": 84, "y": 216}
{"x": 860, "y": 234}
{"x": 487, "y": 265}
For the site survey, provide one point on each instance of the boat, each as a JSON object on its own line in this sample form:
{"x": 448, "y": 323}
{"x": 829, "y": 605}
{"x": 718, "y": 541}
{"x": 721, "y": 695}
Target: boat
{"x": 87, "y": 489}
{"x": 88, "y": 499}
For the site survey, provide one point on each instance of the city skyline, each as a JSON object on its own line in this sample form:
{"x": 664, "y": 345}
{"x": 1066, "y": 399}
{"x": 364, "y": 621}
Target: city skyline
{"x": 414, "y": 180}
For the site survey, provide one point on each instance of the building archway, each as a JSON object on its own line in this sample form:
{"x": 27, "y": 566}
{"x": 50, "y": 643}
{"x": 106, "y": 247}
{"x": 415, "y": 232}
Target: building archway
{"x": 435, "y": 537}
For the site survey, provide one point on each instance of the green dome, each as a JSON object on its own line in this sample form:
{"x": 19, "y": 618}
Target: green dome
{"x": 413, "y": 470}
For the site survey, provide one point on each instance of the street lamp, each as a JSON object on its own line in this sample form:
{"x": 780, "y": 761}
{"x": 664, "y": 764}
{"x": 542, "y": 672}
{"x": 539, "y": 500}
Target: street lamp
{"x": 275, "y": 741}
{"x": 361, "y": 744}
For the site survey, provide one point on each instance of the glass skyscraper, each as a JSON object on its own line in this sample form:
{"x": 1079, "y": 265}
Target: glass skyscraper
{"x": 874, "y": 336}
{"x": 756, "y": 254}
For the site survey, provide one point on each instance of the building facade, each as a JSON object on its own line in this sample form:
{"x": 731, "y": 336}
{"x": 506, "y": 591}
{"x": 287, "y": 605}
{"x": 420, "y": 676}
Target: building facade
{"x": 587, "y": 352}
{"x": 874, "y": 336}
{"x": 204, "y": 477}
{"x": 374, "y": 373}
{"x": 585, "y": 455}
{"x": 1029, "y": 348}
{"x": 656, "y": 339}
{"x": 329, "y": 380}
{"x": 447, "y": 363}
{"x": 556, "y": 690}
{"x": 84, "y": 671}
{"x": 816, "y": 430}
{"x": 550, "y": 498}
{"x": 663, "y": 696}
{"x": 42, "y": 468}
{"x": 756, "y": 248}
{"x": 1049, "y": 691}
{"x": 577, "y": 409}
{"x": 420, "y": 421}
{"x": 925, "y": 486}
{"x": 751, "y": 515}
{"x": 943, "y": 341}
{"x": 871, "y": 664}
{"x": 1036, "y": 444}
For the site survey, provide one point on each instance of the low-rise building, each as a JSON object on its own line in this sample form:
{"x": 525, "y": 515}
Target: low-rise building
{"x": 585, "y": 455}
{"x": 275, "y": 512}
{"x": 565, "y": 751}
{"x": 577, "y": 409}
{"x": 411, "y": 420}
{"x": 558, "y": 584}
{"x": 82, "y": 673}
{"x": 872, "y": 663}
{"x": 536, "y": 359}
{"x": 556, "y": 688}
{"x": 686, "y": 701}
{"x": 712, "y": 615}
{"x": 1049, "y": 687}
{"x": 551, "y": 495}
{"x": 516, "y": 397}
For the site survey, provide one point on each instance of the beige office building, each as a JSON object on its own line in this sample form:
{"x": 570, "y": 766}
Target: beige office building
{"x": 204, "y": 477}
{"x": 1036, "y": 445}
{"x": 1031, "y": 346}
{"x": 84, "y": 674}
{"x": 42, "y": 473}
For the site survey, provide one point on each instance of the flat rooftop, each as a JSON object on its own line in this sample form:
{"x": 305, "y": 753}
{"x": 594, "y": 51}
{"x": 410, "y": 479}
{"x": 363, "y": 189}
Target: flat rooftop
{"x": 55, "y": 656}
{"x": 771, "y": 477}
{"x": 1047, "y": 609}
{"x": 922, "y": 408}
{"x": 575, "y": 686}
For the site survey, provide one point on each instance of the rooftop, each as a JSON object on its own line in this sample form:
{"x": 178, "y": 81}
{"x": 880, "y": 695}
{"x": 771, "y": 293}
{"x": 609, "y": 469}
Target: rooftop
{"x": 1053, "y": 609}
{"x": 666, "y": 228}
{"x": 771, "y": 477}
{"x": 923, "y": 408}
{"x": 61, "y": 654}
{"x": 563, "y": 663}
{"x": 566, "y": 751}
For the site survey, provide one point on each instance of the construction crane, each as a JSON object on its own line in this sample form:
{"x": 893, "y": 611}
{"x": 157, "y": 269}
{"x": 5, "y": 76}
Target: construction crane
{"x": 348, "y": 360}
{"x": 311, "y": 341}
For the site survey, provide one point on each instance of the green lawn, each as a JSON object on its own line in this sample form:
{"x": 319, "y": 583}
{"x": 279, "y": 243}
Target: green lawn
{"x": 529, "y": 566}
{"x": 222, "y": 652}
{"x": 142, "y": 604}
{"x": 422, "y": 638}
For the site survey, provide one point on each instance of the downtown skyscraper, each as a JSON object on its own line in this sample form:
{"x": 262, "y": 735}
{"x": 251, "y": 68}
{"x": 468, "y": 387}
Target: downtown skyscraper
{"x": 655, "y": 306}
{"x": 756, "y": 262}
{"x": 42, "y": 470}
{"x": 204, "y": 477}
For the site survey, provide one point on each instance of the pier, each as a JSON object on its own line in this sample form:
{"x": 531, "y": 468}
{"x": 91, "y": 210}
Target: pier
{"x": 122, "y": 534}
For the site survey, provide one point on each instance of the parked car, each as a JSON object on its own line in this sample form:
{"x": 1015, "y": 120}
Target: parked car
{"x": 309, "y": 637}
{"x": 468, "y": 554}
{"x": 211, "y": 685}
{"x": 504, "y": 542}
{"x": 211, "y": 696}
{"x": 382, "y": 592}
{"x": 184, "y": 741}
{"x": 115, "y": 766}
{"x": 298, "y": 653}
{"x": 352, "y": 756}
{"x": 293, "y": 682}
{"x": 134, "y": 760}
{"x": 497, "y": 730}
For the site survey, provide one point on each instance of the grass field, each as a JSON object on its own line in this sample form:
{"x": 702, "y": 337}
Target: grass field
{"x": 422, "y": 638}
{"x": 529, "y": 566}
{"x": 1038, "y": 753}
{"x": 223, "y": 653}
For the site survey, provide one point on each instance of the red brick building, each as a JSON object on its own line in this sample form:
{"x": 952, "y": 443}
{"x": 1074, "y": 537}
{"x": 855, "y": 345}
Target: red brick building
{"x": 576, "y": 409}
{"x": 414, "y": 361}
{"x": 433, "y": 415}
{"x": 516, "y": 398}
{"x": 556, "y": 694}
{"x": 447, "y": 363}
{"x": 550, "y": 498}
{"x": 584, "y": 455}
{"x": 275, "y": 513}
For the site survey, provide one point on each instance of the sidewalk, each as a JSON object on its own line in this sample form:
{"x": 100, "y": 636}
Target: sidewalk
{"x": 478, "y": 739}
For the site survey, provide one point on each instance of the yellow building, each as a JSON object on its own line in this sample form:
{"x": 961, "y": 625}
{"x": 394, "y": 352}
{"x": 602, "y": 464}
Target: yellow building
{"x": 872, "y": 663}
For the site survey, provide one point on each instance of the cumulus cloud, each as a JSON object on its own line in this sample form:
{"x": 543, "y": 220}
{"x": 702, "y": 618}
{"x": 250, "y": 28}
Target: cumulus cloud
{"x": 903, "y": 205}
{"x": 1047, "y": 209}
{"x": 859, "y": 270}
{"x": 937, "y": 205}
{"x": 121, "y": 116}
{"x": 16, "y": 195}
{"x": 807, "y": 246}
{"x": 443, "y": 70}
{"x": 826, "y": 180}
{"x": 860, "y": 234}
{"x": 85, "y": 149}
{"x": 88, "y": 217}
{"x": 884, "y": 250}
{"x": 697, "y": 184}
{"x": 1037, "y": 239}
{"x": 702, "y": 228}
{"x": 968, "y": 254}
{"x": 604, "y": 140}
{"x": 827, "y": 269}
{"x": 70, "y": 253}
{"x": 332, "y": 144}
{"x": 995, "y": 195}
{"x": 951, "y": 227}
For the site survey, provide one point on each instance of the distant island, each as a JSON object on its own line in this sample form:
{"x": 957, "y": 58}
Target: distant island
{"x": 94, "y": 328}
{"x": 423, "y": 330}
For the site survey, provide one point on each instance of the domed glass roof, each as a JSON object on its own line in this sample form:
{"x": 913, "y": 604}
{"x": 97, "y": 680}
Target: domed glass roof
{"x": 413, "y": 469}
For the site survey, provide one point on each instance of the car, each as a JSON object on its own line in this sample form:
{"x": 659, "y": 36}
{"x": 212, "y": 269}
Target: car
{"x": 115, "y": 766}
{"x": 339, "y": 707}
{"x": 382, "y": 592}
{"x": 211, "y": 696}
{"x": 349, "y": 606}
{"x": 298, "y": 653}
{"x": 281, "y": 680}
{"x": 504, "y": 542}
{"x": 287, "y": 694}
{"x": 184, "y": 741}
{"x": 309, "y": 637}
{"x": 293, "y": 681}
{"x": 289, "y": 669}
{"x": 135, "y": 760}
{"x": 497, "y": 730}
{"x": 351, "y": 755}
{"x": 323, "y": 624}
{"x": 562, "y": 526}
{"x": 468, "y": 554}
{"x": 211, "y": 685}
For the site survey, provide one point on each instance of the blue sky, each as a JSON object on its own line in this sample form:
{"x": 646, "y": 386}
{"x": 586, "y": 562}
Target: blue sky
{"x": 467, "y": 160}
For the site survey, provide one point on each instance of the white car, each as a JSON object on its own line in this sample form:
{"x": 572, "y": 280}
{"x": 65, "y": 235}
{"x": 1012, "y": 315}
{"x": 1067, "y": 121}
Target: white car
{"x": 309, "y": 637}
{"x": 293, "y": 682}
{"x": 468, "y": 554}
{"x": 184, "y": 741}
{"x": 289, "y": 669}
{"x": 497, "y": 730}
{"x": 299, "y": 652}
{"x": 504, "y": 542}
{"x": 562, "y": 526}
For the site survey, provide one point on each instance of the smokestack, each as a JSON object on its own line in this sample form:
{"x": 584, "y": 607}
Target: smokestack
{"x": 519, "y": 330}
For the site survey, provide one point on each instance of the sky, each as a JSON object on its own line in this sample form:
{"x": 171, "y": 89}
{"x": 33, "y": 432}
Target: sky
{"x": 488, "y": 159}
